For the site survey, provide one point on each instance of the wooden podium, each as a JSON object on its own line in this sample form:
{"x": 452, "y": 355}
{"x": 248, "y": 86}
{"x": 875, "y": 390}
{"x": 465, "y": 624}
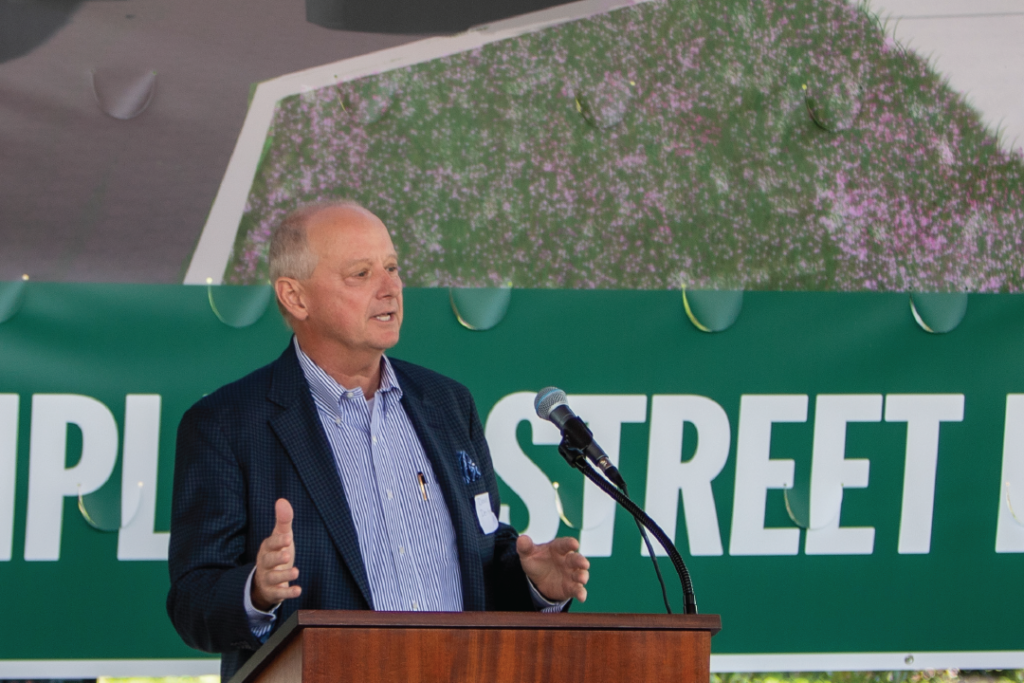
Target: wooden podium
{"x": 484, "y": 647}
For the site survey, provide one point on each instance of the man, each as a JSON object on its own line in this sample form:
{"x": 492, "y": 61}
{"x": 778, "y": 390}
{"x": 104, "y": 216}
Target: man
{"x": 337, "y": 478}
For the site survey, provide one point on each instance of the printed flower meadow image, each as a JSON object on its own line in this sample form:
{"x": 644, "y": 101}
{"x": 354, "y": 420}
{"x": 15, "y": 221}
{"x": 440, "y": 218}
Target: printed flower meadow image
{"x": 765, "y": 144}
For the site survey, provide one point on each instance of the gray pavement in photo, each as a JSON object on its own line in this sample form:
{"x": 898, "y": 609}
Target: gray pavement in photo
{"x": 88, "y": 197}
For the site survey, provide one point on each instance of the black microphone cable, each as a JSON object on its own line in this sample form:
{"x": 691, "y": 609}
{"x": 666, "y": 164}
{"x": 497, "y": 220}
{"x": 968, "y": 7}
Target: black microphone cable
{"x": 650, "y": 551}
{"x": 578, "y": 460}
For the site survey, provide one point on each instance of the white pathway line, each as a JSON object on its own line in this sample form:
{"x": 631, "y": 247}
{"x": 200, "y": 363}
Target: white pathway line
{"x": 867, "y": 661}
{"x": 217, "y": 240}
{"x": 844, "y": 661}
{"x": 115, "y": 668}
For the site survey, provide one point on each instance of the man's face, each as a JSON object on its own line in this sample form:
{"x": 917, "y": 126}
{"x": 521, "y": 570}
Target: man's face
{"x": 354, "y": 296}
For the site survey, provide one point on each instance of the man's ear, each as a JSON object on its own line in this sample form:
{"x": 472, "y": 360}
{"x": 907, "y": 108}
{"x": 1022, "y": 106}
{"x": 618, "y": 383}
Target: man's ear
{"x": 289, "y": 293}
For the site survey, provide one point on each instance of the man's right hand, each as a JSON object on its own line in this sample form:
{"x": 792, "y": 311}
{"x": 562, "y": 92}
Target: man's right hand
{"x": 275, "y": 563}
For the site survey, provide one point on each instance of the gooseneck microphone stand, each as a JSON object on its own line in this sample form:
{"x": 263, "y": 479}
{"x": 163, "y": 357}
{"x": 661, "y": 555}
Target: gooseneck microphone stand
{"x": 575, "y": 457}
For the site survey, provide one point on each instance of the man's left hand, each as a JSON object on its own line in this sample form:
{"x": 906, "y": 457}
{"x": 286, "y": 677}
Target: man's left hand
{"x": 557, "y": 569}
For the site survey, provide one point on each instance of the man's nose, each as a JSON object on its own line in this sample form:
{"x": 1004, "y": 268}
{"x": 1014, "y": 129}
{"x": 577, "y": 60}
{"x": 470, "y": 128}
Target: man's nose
{"x": 390, "y": 284}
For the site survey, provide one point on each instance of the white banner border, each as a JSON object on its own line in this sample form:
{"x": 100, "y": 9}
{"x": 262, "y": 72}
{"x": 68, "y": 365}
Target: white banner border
{"x": 744, "y": 663}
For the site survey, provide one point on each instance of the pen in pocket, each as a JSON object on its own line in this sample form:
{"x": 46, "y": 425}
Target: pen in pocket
{"x": 423, "y": 484}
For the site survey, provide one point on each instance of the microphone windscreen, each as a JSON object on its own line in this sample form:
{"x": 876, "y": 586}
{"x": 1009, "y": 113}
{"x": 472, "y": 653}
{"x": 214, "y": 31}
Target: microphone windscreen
{"x": 546, "y": 401}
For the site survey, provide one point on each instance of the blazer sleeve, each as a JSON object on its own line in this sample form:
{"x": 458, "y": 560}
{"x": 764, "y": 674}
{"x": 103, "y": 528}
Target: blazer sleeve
{"x": 207, "y": 556}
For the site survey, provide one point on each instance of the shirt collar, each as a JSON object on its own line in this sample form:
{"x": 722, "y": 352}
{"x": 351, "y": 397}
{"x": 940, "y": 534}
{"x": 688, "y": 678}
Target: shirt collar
{"x": 328, "y": 392}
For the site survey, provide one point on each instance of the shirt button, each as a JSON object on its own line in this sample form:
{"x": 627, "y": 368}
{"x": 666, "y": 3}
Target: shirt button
{"x": 337, "y": 420}
{"x": 390, "y": 497}
{"x": 415, "y": 605}
{"x": 401, "y": 550}
{"x": 373, "y": 439}
{"x": 348, "y": 394}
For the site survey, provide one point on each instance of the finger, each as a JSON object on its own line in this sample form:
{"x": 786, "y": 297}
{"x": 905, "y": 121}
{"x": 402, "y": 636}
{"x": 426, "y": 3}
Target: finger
{"x": 274, "y": 560}
{"x": 274, "y": 545}
{"x": 564, "y": 545}
{"x": 525, "y": 546}
{"x": 280, "y": 577}
{"x": 581, "y": 577}
{"x": 580, "y": 594}
{"x": 279, "y": 593}
{"x": 577, "y": 561}
{"x": 268, "y": 585}
{"x": 284, "y": 514}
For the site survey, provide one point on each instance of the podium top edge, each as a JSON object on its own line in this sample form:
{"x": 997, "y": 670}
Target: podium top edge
{"x": 508, "y": 620}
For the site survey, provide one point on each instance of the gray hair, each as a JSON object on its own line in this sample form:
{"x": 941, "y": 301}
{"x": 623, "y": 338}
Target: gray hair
{"x": 290, "y": 255}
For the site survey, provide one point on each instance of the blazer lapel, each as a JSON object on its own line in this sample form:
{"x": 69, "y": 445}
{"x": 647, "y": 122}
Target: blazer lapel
{"x": 299, "y": 430}
{"x": 425, "y": 421}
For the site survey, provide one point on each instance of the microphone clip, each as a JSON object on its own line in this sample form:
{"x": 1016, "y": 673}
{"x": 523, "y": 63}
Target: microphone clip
{"x": 576, "y": 455}
{"x": 573, "y": 455}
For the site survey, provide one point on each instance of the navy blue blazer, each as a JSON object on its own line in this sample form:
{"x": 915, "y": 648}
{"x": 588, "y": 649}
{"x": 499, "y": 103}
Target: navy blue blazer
{"x": 259, "y": 439}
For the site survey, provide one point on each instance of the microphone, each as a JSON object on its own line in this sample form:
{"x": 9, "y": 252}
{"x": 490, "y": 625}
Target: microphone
{"x": 551, "y": 405}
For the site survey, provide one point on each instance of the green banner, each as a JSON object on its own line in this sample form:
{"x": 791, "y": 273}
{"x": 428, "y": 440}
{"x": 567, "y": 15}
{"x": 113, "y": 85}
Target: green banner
{"x": 846, "y": 487}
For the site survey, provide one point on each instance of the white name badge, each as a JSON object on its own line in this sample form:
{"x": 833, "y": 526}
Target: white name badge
{"x": 484, "y": 514}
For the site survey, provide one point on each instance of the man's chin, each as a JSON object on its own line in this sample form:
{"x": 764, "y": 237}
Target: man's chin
{"x": 387, "y": 341}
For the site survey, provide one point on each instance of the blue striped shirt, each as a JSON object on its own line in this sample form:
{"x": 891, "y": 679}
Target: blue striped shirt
{"x": 407, "y": 543}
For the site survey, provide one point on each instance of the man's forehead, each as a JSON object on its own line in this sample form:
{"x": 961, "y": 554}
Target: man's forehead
{"x": 345, "y": 222}
{"x": 351, "y": 236}
{"x": 343, "y": 216}
{"x": 356, "y": 259}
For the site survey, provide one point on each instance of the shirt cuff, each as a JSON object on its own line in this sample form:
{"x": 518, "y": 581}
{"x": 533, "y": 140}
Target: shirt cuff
{"x": 260, "y": 623}
{"x": 541, "y": 603}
